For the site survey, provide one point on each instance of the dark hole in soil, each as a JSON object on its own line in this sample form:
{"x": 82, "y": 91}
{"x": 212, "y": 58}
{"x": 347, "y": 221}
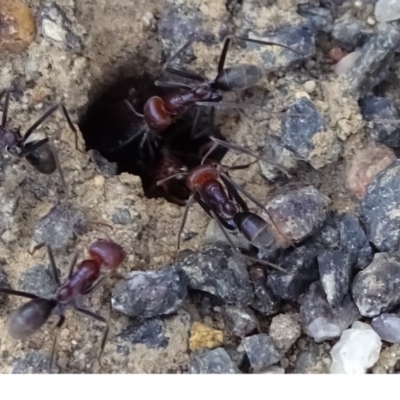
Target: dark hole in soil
{"x": 108, "y": 122}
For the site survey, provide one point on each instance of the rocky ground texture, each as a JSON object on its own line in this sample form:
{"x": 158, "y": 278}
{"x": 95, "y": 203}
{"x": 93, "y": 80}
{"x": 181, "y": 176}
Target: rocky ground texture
{"x": 329, "y": 115}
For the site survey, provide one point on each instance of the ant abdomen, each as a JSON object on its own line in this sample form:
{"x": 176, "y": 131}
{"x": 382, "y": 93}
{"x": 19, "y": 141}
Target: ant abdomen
{"x": 256, "y": 230}
{"x": 29, "y": 318}
{"x": 238, "y": 77}
{"x": 42, "y": 159}
{"x": 107, "y": 253}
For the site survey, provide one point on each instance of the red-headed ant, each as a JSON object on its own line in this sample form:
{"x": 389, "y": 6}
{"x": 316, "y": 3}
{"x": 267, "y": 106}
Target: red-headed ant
{"x": 160, "y": 112}
{"x": 30, "y": 317}
{"x": 41, "y": 154}
{"x": 215, "y": 191}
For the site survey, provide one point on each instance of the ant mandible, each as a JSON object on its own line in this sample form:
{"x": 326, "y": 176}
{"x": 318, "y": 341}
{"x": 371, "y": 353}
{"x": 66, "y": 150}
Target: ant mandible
{"x": 159, "y": 112}
{"x": 41, "y": 154}
{"x": 30, "y": 317}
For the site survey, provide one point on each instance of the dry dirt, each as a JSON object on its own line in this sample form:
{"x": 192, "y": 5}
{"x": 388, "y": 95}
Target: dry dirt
{"x": 119, "y": 38}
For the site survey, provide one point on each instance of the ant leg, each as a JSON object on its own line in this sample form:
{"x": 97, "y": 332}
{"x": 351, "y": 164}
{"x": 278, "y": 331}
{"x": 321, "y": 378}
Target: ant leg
{"x": 92, "y": 288}
{"x": 235, "y": 147}
{"x": 229, "y": 38}
{"x": 43, "y": 118}
{"x": 159, "y": 183}
{"x": 185, "y": 214}
{"x": 59, "y": 169}
{"x": 18, "y": 293}
{"x": 237, "y": 251}
{"x": 226, "y": 105}
{"x": 199, "y": 114}
{"x": 6, "y": 105}
{"x": 72, "y": 127}
{"x": 98, "y": 318}
{"x": 172, "y": 85}
{"x": 53, "y": 265}
{"x": 132, "y": 109}
{"x": 53, "y": 348}
{"x": 211, "y": 150}
{"x": 182, "y": 73}
{"x": 130, "y": 139}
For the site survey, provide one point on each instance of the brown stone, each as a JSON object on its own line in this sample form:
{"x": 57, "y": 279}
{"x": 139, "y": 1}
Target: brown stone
{"x": 17, "y": 26}
{"x": 204, "y": 336}
{"x": 366, "y": 164}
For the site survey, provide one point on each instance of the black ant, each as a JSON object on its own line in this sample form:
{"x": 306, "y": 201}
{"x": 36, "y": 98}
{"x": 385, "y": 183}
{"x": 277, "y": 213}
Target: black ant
{"x": 30, "y": 317}
{"x": 41, "y": 154}
{"x": 159, "y": 112}
{"x": 215, "y": 191}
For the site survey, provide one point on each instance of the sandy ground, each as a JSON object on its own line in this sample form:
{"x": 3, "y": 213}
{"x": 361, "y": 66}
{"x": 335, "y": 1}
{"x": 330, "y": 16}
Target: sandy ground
{"x": 120, "y": 39}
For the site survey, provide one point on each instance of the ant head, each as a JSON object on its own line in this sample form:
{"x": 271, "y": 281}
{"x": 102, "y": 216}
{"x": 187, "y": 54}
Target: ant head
{"x": 30, "y": 317}
{"x": 8, "y": 139}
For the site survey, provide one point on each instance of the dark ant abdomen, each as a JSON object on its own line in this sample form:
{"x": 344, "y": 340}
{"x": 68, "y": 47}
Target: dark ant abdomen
{"x": 29, "y": 318}
{"x": 42, "y": 159}
{"x": 256, "y": 230}
{"x": 238, "y": 77}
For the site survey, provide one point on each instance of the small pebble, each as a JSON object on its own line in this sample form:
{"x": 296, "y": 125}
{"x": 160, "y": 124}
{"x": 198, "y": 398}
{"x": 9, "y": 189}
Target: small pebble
{"x": 310, "y": 86}
{"x": 357, "y": 350}
{"x": 17, "y": 26}
{"x": 387, "y": 326}
{"x": 215, "y": 361}
{"x": 99, "y": 180}
{"x": 346, "y": 63}
{"x": 285, "y": 330}
{"x": 387, "y": 10}
{"x": 336, "y": 54}
{"x": 204, "y": 336}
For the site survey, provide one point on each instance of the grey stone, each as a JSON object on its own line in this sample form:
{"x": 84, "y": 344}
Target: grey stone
{"x": 285, "y": 329}
{"x": 39, "y": 281}
{"x": 219, "y": 272}
{"x": 240, "y": 322}
{"x": 264, "y": 300}
{"x": 151, "y": 293}
{"x": 303, "y": 128}
{"x": 335, "y": 271}
{"x": 8, "y": 206}
{"x": 33, "y": 363}
{"x": 375, "y": 59}
{"x": 380, "y": 208}
{"x": 376, "y": 289}
{"x": 56, "y": 26}
{"x": 387, "y": 10}
{"x": 59, "y": 226}
{"x": 215, "y": 361}
{"x": 320, "y": 18}
{"x": 387, "y": 326}
{"x": 297, "y": 210}
{"x": 322, "y": 322}
{"x": 122, "y": 217}
{"x": 350, "y": 32}
{"x": 150, "y": 332}
{"x": 301, "y": 269}
{"x": 300, "y": 37}
{"x": 261, "y": 351}
{"x": 176, "y": 26}
{"x": 383, "y": 117}
{"x": 3, "y": 283}
{"x": 214, "y": 235}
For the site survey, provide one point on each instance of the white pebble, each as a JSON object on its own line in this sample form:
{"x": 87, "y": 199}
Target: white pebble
{"x": 387, "y": 10}
{"x": 357, "y": 350}
{"x": 346, "y": 63}
{"x": 310, "y": 86}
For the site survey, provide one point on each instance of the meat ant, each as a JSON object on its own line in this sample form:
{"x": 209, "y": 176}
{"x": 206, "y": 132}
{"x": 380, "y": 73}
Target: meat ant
{"x": 41, "y": 154}
{"x": 218, "y": 195}
{"x": 160, "y": 112}
{"x": 30, "y": 317}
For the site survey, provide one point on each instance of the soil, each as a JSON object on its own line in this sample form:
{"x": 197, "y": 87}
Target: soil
{"x": 119, "y": 39}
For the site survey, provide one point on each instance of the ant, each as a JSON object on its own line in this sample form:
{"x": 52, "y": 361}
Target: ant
{"x": 218, "y": 195}
{"x": 30, "y": 317}
{"x": 41, "y": 154}
{"x": 159, "y": 112}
